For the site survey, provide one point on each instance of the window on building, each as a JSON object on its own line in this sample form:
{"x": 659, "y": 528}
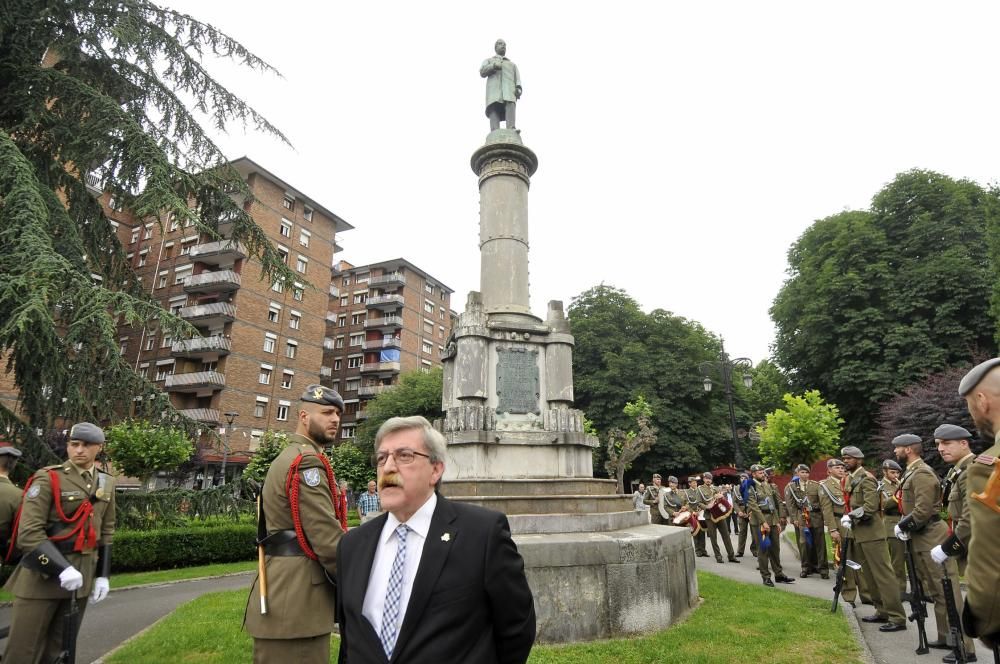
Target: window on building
{"x": 428, "y": 327}
{"x": 354, "y": 362}
{"x": 174, "y": 224}
{"x": 209, "y": 365}
{"x": 161, "y": 282}
{"x": 444, "y": 295}
{"x": 286, "y": 379}
{"x": 135, "y": 236}
{"x": 283, "y": 252}
{"x": 142, "y": 257}
{"x": 358, "y": 319}
{"x": 338, "y": 342}
{"x": 346, "y": 281}
{"x": 342, "y": 321}
{"x": 176, "y": 306}
{"x": 429, "y": 287}
{"x": 298, "y": 292}
{"x": 123, "y": 345}
{"x": 425, "y": 366}
{"x": 265, "y": 375}
{"x": 351, "y": 385}
{"x": 360, "y": 298}
{"x": 363, "y": 278}
{"x": 144, "y": 370}
{"x": 427, "y": 347}
{"x": 168, "y": 250}
{"x": 301, "y": 264}
{"x": 440, "y": 332}
{"x": 270, "y": 341}
{"x": 260, "y": 407}
{"x": 147, "y": 232}
{"x": 182, "y": 274}
{"x": 288, "y": 202}
{"x": 307, "y": 212}
{"x": 273, "y": 313}
{"x": 357, "y": 339}
{"x": 166, "y": 341}
{"x": 336, "y": 365}
{"x": 285, "y": 229}
{"x": 164, "y": 370}
{"x": 278, "y": 287}
{"x": 282, "y": 414}
{"x": 291, "y": 349}
{"x": 441, "y": 313}
{"x": 429, "y": 307}
{"x": 295, "y": 320}
{"x": 304, "y": 237}
{"x": 347, "y": 432}
{"x": 151, "y": 342}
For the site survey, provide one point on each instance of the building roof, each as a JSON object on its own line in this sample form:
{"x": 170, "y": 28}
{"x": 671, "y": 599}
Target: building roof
{"x": 246, "y": 166}
{"x": 341, "y": 267}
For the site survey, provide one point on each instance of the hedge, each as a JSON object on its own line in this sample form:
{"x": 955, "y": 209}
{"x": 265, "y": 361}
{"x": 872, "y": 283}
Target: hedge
{"x": 167, "y": 548}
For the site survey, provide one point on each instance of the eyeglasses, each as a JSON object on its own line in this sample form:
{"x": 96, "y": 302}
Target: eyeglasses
{"x": 402, "y": 457}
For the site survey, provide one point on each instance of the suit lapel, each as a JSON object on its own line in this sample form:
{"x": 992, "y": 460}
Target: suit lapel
{"x": 432, "y": 560}
{"x": 365, "y": 555}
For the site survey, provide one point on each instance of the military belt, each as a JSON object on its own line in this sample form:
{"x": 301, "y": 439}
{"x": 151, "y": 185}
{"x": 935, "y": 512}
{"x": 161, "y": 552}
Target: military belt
{"x": 282, "y": 543}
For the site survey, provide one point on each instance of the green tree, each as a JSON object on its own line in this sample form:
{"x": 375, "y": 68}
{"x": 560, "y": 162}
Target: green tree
{"x": 623, "y": 447}
{"x": 271, "y": 445}
{"x": 115, "y": 89}
{"x": 140, "y": 448}
{"x": 877, "y": 299}
{"x": 417, "y": 393}
{"x": 350, "y": 463}
{"x": 805, "y": 430}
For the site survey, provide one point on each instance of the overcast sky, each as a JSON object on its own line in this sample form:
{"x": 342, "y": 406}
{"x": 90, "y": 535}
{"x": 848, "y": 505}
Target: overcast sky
{"x": 683, "y": 147}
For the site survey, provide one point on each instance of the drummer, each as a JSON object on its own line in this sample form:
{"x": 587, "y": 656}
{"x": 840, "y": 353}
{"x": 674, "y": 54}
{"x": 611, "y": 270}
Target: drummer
{"x": 670, "y": 501}
{"x": 693, "y": 500}
{"x": 717, "y": 509}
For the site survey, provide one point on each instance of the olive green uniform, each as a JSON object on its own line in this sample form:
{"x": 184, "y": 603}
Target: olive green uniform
{"x": 668, "y": 504}
{"x": 870, "y": 549}
{"x": 706, "y": 494}
{"x": 39, "y": 601}
{"x": 693, "y": 500}
{"x": 651, "y": 498}
{"x": 831, "y": 501}
{"x": 956, "y": 501}
{"x": 921, "y": 503}
{"x": 890, "y": 517}
{"x": 10, "y": 500}
{"x": 301, "y": 599}
{"x": 982, "y": 602}
{"x": 742, "y": 525}
{"x": 805, "y": 513}
{"x": 764, "y": 506}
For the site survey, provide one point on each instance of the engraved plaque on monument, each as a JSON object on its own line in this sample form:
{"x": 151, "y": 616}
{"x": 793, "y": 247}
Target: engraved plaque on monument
{"x": 517, "y": 381}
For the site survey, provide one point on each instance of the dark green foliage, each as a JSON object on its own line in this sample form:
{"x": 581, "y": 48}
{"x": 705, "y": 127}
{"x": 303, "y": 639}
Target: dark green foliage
{"x": 877, "y": 299}
{"x": 116, "y": 99}
{"x": 271, "y": 444}
{"x": 180, "y": 507}
{"x": 141, "y": 448}
{"x": 166, "y": 548}
{"x": 418, "y": 393}
{"x": 352, "y": 465}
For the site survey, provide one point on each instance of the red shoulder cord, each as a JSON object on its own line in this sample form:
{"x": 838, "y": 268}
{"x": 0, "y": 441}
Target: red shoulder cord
{"x": 83, "y": 524}
{"x": 292, "y": 482}
{"x": 17, "y": 521}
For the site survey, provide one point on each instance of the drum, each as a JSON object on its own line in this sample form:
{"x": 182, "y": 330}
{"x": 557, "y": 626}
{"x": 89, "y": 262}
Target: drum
{"x": 686, "y": 518}
{"x": 721, "y": 510}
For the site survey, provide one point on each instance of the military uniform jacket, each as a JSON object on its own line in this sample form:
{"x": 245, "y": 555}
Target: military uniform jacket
{"x": 693, "y": 499}
{"x": 669, "y": 504}
{"x": 39, "y": 519}
{"x": 956, "y": 498}
{"x": 301, "y": 599}
{"x": 763, "y": 503}
{"x": 651, "y": 496}
{"x": 861, "y": 491}
{"x": 815, "y": 509}
{"x": 10, "y": 499}
{"x": 921, "y": 491}
{"x": 831, "y": 501}
{"x": 983, "y": 573}
{"x": 796, "y": 500}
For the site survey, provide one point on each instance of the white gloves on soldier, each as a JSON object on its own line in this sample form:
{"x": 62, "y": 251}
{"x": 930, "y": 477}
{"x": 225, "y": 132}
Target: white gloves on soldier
{"x": 938, "y": 555}
{"x": 70, "y": 579}
{"x": 845, "y": 521}
{"x": 102, "y": 586}
{"x": 900, "y": 534}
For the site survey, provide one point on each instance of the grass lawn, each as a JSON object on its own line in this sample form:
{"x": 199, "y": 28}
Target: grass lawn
{"x": 738, "y": 622}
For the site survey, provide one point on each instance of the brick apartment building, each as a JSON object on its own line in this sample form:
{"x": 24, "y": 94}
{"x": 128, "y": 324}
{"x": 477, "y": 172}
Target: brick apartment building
{"x": 261, "y": 345}
{"x": 384, "y": 319}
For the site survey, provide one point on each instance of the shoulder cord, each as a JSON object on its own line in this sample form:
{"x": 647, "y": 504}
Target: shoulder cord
{"x": 292, "y": 482}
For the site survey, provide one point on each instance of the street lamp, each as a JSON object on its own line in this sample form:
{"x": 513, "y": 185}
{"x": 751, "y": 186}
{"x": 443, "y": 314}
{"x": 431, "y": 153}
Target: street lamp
{"x": 726, "y": 367}
{"x": 230, "y": 418}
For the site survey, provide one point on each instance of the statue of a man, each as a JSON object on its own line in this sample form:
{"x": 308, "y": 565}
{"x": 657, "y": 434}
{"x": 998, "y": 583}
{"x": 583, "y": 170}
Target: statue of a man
{"x": 503, "y": 87}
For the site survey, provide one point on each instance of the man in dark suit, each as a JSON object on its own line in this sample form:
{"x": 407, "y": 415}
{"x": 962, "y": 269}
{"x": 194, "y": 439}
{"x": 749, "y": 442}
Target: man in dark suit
{"x": 430, "y": 580}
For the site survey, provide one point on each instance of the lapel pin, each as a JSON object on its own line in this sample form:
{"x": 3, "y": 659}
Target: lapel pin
{"x": 446, "y": 537}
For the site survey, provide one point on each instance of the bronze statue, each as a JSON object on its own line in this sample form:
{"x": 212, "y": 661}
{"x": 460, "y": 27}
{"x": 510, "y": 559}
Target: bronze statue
{"x": 503, "y": 87}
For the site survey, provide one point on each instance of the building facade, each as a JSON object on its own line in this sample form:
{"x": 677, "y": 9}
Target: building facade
{"x": 384, "y": 319}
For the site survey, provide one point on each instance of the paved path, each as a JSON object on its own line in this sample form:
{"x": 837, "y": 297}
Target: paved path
{"x": 886, "y": 648}
{"x": 127, "y": 612}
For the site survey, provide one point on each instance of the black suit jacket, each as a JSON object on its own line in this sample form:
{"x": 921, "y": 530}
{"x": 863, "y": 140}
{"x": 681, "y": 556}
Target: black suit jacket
{"x": 470, "y": 600}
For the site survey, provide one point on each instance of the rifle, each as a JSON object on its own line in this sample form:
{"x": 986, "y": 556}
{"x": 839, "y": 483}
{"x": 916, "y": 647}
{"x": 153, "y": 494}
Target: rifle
{"x": 954, "y": 619}
{"x": 68, "y": 653}
{"x": 916, "y": 600}
{"x": 838, "y": 583}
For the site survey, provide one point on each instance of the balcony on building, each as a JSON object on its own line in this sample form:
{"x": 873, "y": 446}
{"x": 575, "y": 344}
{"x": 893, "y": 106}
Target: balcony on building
{"x": 361, "y": 415}
{"x": 213, "y": 313}
{"x": 201, "y": 346}
{"x": 94, "y": 184}
{"x": 220, "y": 252}
{"x": 379, "y": 344}
{"x": 220, "y": 281}
{"x": 205, "y": 415}
{"x": 390, "y": 302}
{"x": 226, "y": 220}
{"x": 380, "y": 367}
{"x": 369, "y": 391}
{"x": 390, "y": 280}
{"x": 331, "y": 316}
{"x": 325, "y": 371}
{"x": 334, "y": 291}
{"x": 195, "y": 381}
{"x": 385, "y": 323}
{"x": 327, "y": 343}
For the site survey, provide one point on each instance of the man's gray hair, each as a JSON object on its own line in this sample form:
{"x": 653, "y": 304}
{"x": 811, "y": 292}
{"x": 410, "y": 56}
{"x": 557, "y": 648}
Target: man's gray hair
{"x": 433, "y": 440}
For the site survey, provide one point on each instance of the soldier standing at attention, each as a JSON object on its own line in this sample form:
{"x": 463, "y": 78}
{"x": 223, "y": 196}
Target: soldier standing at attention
{"x": 670, "y": 502}
{"x": 831, "y": 501}
{"x": 953, "y": 446}
{"x": 10, "y": 495}
{"x": 813, "y": 548}
{"x": 651, "y": 498}
{"x": 693, "y": 500}
{"x": 305, "y": 519}
{"x": 981, "y": 618}
{"x": 920, "y": 504}
{"x": 709, "y": 495}
{"x": 888, "y": 488}
{"x": 742, "y": 517}
{"x": 863, "y": 519}
{"x": 66, "y": 526}
{"x": 763, "y": 504}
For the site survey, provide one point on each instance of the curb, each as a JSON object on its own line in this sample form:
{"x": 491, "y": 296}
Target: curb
{"x": 100, "y": 660}
{"x": 854, "y": 623}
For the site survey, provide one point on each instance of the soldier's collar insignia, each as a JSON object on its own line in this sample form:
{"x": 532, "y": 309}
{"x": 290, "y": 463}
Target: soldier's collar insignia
{"x": 446, "y": 537}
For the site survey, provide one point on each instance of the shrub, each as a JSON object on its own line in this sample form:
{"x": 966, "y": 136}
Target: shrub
{"x": 140, "y": 550}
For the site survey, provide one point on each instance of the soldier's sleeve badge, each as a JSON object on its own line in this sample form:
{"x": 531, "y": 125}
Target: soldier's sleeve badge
{"x": 311, "y": 476}
{"x": 986, "y": 459}
{"x": 33, "y": 492}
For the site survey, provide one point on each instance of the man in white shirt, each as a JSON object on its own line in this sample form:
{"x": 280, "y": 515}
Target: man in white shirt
{"x": 430, "y": 580}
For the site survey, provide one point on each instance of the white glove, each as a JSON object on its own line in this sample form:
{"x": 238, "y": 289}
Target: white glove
{"x": 70, "y": 579}
{"x": 101, "y": 588}
{"x": 845, "y": 522}
{"x": 938, "y": 555}
{"x": 900, "y": 534}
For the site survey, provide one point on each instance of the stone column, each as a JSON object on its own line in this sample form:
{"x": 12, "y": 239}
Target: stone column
{"x": 504, "y": 166}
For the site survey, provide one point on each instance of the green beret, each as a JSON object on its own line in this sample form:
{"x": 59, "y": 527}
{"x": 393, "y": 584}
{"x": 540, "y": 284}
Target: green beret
{"x": 889, "y": 464}
{"x": 87, "y": 432}
{"x": 852, "y": 451}
{"x": 906, "y": 439}
{"x": 951, "y": 432}
{"x": 323, "y": 395}
{"x": 975, "y": 375}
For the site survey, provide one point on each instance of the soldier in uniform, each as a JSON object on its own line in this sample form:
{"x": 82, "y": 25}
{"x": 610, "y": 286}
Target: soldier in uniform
{"x": 808, "y": 516}
{"x": 981, "y": 618}
{"x": 65, "y": 529}
{"x": 764, "y": 506}
{"x": 652, "y": 497}
{"x": 670, "y": 501}
{"x": 831, "y": 502}
{"x": 305, "y": 520}
{"x": 920, "y": 505}
{"x": 888, "y": 488}
{"x": 709, "y": 495}
{"x": 10, "y": 495}
{"x": 953, "y": 446}
{"x": 743, "y": 517}
{"x": 693, "y": 500}
{"x": 864, "y": 521}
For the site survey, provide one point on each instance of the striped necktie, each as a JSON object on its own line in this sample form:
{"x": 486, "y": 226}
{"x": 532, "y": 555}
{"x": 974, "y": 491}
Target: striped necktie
{"x": 393, "y": 594}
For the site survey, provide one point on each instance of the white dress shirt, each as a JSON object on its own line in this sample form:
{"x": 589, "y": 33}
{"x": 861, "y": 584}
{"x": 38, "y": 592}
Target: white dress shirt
{"x": 385, "y": 553}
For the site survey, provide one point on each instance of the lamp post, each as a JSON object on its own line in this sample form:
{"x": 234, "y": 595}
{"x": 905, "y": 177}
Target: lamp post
{"x": 230, "y": 418}
{"x": 726, "y": 367}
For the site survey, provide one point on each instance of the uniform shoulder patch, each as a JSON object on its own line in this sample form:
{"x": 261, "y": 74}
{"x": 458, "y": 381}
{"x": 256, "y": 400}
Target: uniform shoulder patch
{"x": 311, "y": 476}
{"x": 986, "y": 459}
{"x": 33, "y": 492}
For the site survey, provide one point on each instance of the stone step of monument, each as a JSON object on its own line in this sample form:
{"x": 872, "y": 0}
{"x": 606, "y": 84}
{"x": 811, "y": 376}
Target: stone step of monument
{"x": 578, "y": 504}
{"x": 582, "y": 486}
{"x": 605, "y": 522}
